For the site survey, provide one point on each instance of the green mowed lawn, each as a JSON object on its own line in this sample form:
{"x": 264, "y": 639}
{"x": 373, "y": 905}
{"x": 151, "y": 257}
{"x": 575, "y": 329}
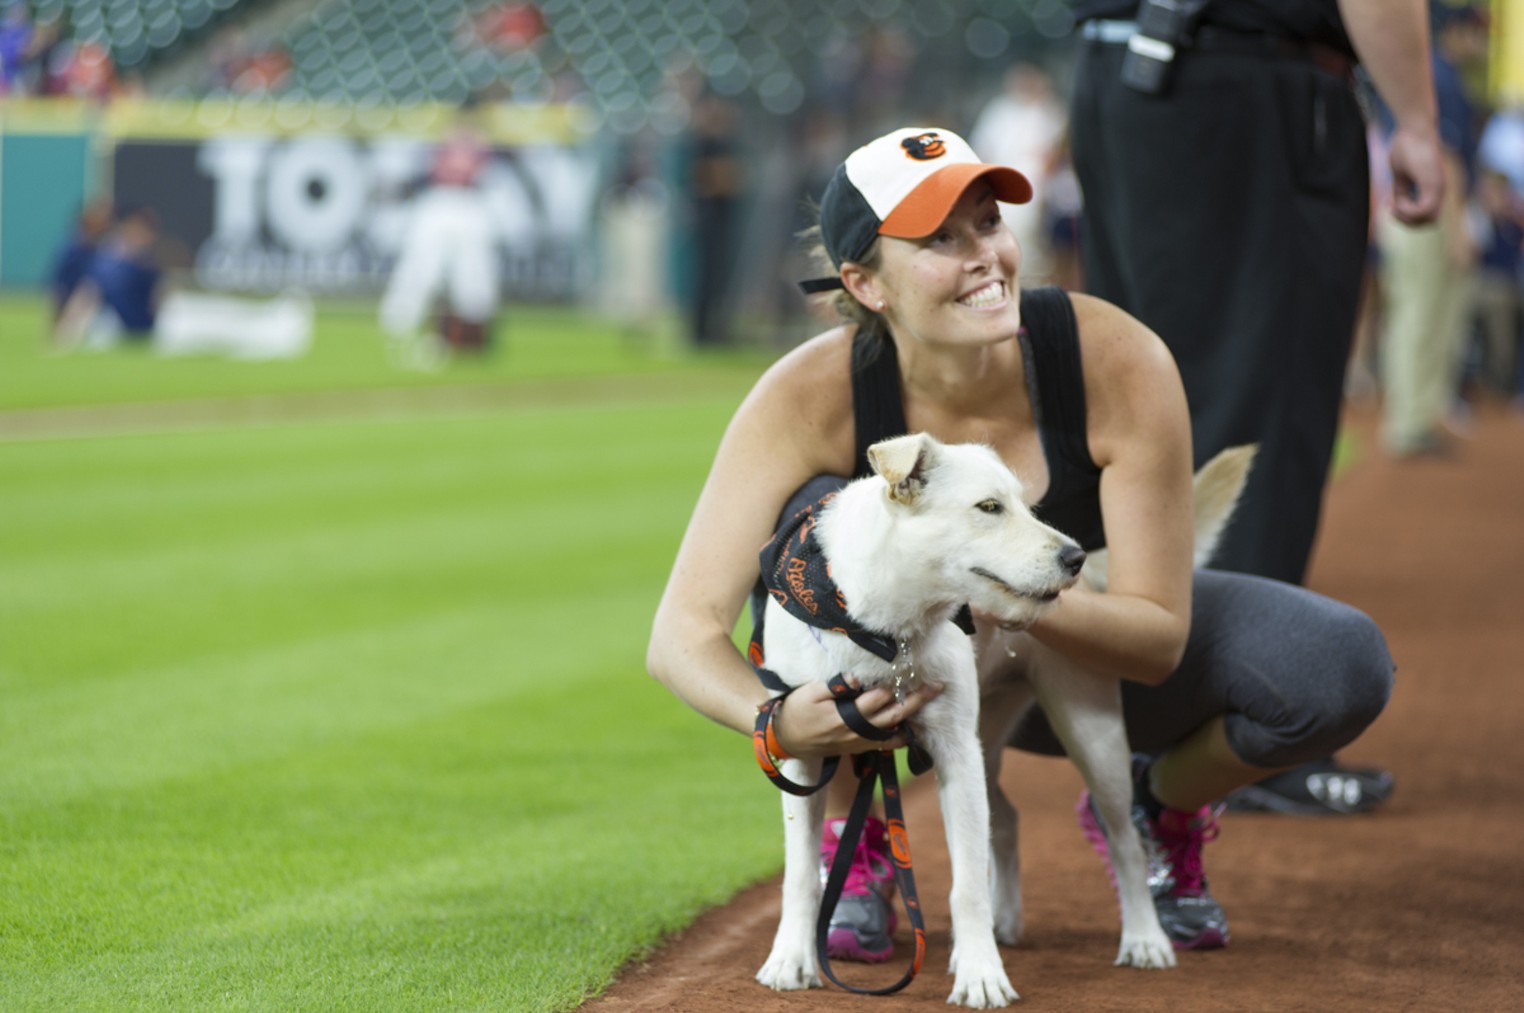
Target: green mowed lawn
{"x": 352, "y": 714}
{"x": 348, "y": 353}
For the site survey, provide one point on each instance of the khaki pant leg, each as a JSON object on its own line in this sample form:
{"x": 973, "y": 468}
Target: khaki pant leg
{"x": 1498, "y": 302}
{"x": 1420, "y": 349}
{"x": 1453, "y": 330}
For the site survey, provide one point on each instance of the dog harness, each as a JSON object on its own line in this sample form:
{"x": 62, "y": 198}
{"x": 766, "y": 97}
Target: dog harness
{"x": 797, "y": 575}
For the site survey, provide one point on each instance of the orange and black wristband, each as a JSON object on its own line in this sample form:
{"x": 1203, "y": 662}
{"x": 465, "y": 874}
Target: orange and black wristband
{"x": 764, "y": 743}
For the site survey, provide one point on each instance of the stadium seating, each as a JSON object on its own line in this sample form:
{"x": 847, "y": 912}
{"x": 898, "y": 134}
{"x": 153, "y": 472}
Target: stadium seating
{"x": 135, "y": 32}
{"x": 619, "y": 54}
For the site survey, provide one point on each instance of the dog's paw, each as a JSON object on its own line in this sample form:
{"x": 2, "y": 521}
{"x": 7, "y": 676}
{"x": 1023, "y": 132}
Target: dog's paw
{"x": 789, "y": 972}
{"x": 979, "y": 984}
{"x": 988, "y": 990}
{"x": 1152, "y": 952}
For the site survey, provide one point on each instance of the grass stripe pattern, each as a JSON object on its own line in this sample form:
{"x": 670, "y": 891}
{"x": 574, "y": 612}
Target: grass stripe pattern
{"x": 351, "y": 713}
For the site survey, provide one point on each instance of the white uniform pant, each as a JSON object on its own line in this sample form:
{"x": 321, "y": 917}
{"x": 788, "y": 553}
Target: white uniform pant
{"x": 205, "y": 323}
{"x": 449, "y": 250}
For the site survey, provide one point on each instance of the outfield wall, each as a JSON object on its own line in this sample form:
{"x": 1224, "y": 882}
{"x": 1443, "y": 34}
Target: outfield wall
{"x": 47, "y": 166}
{"x": 268, "y": 196}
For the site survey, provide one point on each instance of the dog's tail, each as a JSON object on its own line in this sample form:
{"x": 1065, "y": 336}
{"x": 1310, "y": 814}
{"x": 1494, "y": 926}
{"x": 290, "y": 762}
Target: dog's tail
{"x": 1218, "y": 485}
{"x": 1214, "y": 495}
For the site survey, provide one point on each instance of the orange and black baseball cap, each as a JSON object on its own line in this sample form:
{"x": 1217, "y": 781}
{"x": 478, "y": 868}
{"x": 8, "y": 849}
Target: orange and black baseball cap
{"x": 902, "y": 184}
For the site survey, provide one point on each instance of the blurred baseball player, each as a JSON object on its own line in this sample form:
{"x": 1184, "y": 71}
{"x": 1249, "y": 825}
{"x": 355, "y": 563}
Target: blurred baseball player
{"x": 449, "y": 250}
{"x": 120, "y": 293}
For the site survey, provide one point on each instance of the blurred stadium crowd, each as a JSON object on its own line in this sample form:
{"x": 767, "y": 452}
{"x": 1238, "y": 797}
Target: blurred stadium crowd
{"x": 693, "y": 134}
{"x": 709, "y": 120}
{"x": 616, "y": 55}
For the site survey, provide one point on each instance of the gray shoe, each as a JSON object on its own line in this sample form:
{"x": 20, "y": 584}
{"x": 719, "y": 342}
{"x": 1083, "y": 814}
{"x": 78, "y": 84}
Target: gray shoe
{"x": 861, "y": 928}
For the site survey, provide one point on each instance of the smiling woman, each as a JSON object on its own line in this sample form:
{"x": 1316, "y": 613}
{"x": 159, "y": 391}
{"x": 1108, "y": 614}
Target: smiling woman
{"x": 1084, "y": 403}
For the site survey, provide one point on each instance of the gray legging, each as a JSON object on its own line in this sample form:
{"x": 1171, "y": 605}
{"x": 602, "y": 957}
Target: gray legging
{"x": 1298, "y": 675}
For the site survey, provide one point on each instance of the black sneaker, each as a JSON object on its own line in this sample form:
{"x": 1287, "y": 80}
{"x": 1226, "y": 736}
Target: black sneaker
{"x": 1324, "y": 788}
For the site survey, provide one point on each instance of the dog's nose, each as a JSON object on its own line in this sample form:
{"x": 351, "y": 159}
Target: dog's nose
{"x": 1071, "y": 558}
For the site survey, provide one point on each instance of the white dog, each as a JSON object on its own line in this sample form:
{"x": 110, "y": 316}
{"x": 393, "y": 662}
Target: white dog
{"x": 939, "y": 526}
{"x": 936, "y": 527}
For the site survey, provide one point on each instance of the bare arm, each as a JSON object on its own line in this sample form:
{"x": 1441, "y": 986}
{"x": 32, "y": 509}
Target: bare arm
{"x": 795, "y": 424}
{"x": 1391, "y": 38}
{"x": 1140, "y": 436}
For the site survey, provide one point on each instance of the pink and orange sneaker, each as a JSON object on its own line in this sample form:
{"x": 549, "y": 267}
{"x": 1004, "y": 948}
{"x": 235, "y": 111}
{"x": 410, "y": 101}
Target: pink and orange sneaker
{"x": 863, "y": 923}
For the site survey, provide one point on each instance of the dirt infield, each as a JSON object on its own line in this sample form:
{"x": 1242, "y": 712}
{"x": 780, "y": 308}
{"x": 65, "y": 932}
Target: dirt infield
{"x": 1418, "y": 906}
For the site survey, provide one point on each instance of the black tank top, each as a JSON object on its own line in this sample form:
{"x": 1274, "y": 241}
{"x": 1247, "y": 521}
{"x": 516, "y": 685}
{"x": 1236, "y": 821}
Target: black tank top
{"x": 1056, "y": 385}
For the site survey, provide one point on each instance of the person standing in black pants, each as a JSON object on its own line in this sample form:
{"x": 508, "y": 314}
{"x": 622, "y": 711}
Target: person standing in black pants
{"x": 716, "y": 182}
{"x": 1221, "y": 149}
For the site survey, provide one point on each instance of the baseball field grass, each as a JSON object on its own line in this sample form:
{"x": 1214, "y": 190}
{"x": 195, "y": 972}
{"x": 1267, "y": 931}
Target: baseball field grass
{"x": 340, "y": 703}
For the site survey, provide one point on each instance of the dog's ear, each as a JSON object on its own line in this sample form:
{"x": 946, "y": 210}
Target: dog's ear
{"x": 903, "y": 463}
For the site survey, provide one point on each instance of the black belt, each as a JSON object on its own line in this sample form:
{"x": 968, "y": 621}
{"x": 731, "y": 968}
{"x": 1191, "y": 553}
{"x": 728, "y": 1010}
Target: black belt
{"x": 1212, "y": 39}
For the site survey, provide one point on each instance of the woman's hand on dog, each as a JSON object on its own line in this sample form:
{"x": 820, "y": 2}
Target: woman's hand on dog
{"x": 807, "y": 725}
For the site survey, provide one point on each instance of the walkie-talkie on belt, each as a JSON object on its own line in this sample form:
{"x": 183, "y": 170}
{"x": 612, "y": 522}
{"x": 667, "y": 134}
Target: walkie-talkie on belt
{"x": 1163, "y": 27}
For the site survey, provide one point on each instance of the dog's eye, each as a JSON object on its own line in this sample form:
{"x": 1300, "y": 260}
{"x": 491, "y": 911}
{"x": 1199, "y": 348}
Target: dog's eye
{"x": 990, "y": 506}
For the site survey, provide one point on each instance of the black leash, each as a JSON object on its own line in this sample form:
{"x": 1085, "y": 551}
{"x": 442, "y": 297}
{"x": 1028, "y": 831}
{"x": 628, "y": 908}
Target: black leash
{"x": 871, "y": 769}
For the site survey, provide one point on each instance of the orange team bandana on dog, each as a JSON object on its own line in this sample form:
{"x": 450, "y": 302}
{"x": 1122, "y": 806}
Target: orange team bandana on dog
{"x": 798, "y": 576}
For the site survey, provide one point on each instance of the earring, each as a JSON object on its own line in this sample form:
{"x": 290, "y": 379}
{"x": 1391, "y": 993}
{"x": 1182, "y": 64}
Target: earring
{"x": 881, "y": 305}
